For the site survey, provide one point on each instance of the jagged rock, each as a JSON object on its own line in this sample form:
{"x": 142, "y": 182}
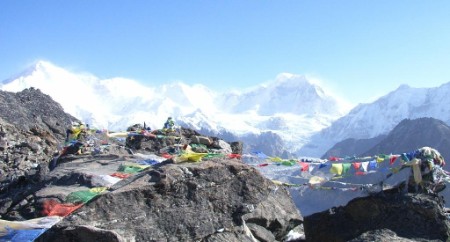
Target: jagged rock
{"x": 210, "y": 201}
{"x": 278, "y": 215}
{"x": 31, "y": 109}
{"x": 32, "y": 126}
{"x": 410, "y": 216}
{"x": 260, "y": 233}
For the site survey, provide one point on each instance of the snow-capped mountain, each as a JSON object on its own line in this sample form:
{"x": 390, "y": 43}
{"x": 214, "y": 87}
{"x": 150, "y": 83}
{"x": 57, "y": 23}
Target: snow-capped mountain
{"x": 290, "y": 107}
{"x": 380, "y": 117}
{"x": 287, "y": 94}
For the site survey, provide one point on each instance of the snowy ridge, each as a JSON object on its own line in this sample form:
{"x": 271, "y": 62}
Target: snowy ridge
{"x": 291, "y": 106}
{"x": 380, "y": 117}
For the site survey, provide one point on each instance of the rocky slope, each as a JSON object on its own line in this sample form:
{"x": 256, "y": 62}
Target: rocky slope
{"x": 32, "y": 126}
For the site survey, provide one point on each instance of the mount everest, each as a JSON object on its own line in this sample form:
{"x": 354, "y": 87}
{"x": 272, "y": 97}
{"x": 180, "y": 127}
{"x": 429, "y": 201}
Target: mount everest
{"x": 273, "y": 117}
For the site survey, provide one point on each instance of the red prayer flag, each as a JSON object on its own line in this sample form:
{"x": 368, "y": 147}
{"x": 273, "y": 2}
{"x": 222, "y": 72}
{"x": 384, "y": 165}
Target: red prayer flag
{"x": 54, "y": 208}
{"x": 305, "y": 166}
{"x": 121, "y": 175}
{"x": 392, "y": 159}
{"x": 166, "y": 155}
{"x": 357, "y": 165}
{"x": 234, "y": 156}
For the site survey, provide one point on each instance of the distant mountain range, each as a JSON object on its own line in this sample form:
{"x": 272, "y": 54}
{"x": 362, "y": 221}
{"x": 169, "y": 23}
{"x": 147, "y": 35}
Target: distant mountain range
{"x": 277, "y": 117}
{"x": 288, "y": 116}
{"x": 370, "y": 120}
{"x": 408, "y": 135}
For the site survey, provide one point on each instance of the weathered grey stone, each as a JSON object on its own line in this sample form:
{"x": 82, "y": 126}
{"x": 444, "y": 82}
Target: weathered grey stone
{"x": 187, "y": 202}
{"x": 260, "y": 233}
{"x": 277, "y": 215}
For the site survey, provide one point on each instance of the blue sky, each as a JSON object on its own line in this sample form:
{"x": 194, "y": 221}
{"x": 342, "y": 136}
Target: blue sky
{"x": 360, "y": 49}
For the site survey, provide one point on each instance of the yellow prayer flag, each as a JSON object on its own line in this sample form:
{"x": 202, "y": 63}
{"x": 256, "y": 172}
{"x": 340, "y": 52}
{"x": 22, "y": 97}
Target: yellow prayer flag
{"x": 316, "y": 180}
{"x": 276, "y": 159}
{"x": 336, "y": 168}
{"x": 98, "y": 189}
{"x": 380, "y": 159}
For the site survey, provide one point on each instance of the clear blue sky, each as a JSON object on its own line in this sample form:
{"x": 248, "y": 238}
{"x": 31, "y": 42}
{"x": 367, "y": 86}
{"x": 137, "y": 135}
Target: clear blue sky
{"x": 359, "y": 48}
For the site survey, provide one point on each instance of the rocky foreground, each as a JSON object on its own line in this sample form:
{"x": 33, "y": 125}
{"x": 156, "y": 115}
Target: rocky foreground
{"x": 139, "y": 189}
{"x": 217, "y": 199}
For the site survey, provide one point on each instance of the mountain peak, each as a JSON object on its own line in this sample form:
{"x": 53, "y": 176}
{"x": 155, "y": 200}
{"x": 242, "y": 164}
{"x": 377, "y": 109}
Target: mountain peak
{"x": 290, "y": 80}
{"x": 40, "y": 65}
{"x": 403, "y": 87}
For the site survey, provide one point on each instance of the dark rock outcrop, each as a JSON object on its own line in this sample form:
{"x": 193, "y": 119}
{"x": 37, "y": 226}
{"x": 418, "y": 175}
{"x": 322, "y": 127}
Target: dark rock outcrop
{"x": 389, "y": 214}
{"x": 32, "y": 126}
{"x": 31, "y": 110}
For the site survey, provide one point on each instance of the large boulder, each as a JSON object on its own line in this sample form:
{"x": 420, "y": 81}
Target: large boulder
{"x": 215, "y": 200}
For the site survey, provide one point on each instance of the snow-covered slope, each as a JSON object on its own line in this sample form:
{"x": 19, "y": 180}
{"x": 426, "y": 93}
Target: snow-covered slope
{"x": 381, "y": 116}
{"x": 290, "y": 107}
